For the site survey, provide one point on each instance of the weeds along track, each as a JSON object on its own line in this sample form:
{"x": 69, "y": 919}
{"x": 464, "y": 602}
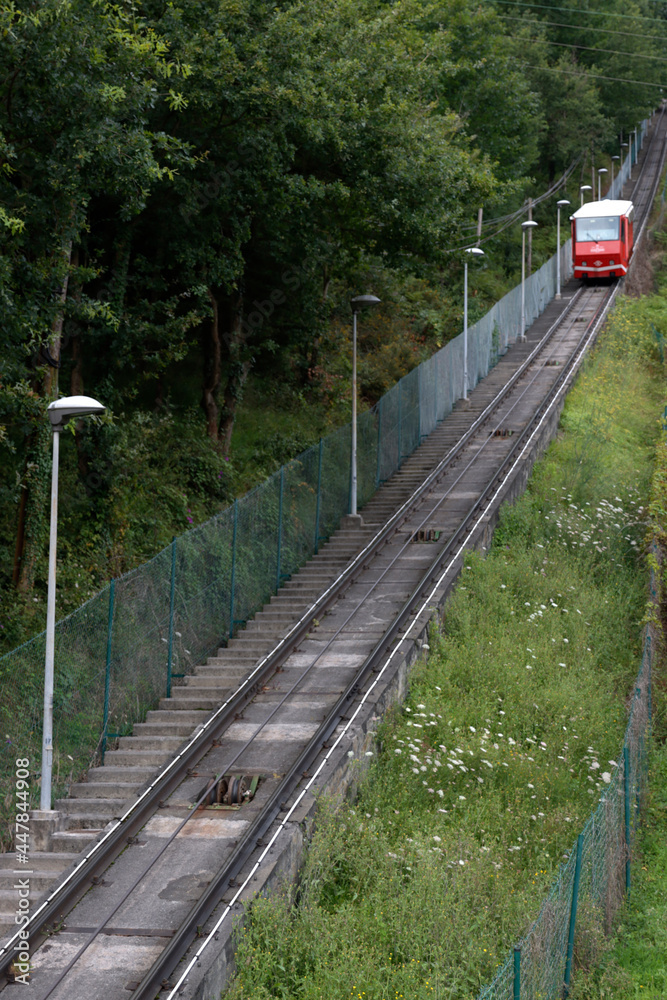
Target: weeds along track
{"x": 140, "y": 909}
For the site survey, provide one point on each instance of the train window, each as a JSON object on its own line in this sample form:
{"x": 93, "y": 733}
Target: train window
{"x": 623, "y": 230}
{"x": 595, "y": 230}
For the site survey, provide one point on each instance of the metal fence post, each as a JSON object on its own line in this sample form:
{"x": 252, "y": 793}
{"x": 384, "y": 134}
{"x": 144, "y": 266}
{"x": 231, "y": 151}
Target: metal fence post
{"x": 517, "y": 973}
{"x": 400, "y": 421}
{"x": 419, "y": 405}
{"x": 280, "y": 526}
{"x": 318, "y": 504}
{"x": 107, "y": 678}
{"x": 232, "y": 583}
{"x": 650, "y": 667}
{"x": 573, "y": 916}
{"x": 626, "y": 786}
{"x": 172, "y": 591}
{"x": 378, "y": 463}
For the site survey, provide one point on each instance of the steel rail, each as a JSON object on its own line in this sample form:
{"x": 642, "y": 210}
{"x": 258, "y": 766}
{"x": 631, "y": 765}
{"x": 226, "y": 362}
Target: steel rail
{"x": 114, "y": 840}
{"x": 431, "y": 580}
{"x": 165, "y": 965}
{"x": 300, "y": 680}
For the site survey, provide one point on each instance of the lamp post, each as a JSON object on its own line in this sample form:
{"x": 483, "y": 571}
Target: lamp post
{"x": 559, "y": 204}
{"x": 476, "y": 252}
{"x": 524, "y": 226}
{"x": 612, "y": 172}
{"x": 601, "y": 170}
{"x": 358, "y": 303}
{"x": 582, "y": 191}
{"x": 625, "y": 146}
{"x": 59, "y": 412}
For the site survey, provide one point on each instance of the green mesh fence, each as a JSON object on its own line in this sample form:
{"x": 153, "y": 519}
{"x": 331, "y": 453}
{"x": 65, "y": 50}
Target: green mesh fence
{"x": 120, "y": 653}
{"x": 591, "y": 885}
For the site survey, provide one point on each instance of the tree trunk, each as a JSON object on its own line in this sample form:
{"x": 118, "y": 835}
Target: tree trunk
{"x": 238, "y": 368}
{"x": 33, "y": 514}
{"x": 76, "y": 389}
{"x": 212, "y": 351}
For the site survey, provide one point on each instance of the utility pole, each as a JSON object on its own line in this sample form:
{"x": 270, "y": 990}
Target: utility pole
{"x": 480, "y": 214}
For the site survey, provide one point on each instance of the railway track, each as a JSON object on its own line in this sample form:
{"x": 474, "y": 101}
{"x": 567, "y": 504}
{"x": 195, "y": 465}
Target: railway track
{"x": 176, "y": 861}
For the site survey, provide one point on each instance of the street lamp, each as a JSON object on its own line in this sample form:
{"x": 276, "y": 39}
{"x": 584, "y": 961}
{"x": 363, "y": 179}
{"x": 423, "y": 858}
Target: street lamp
{"x": 358, "y": 303}
{"x": 583, "y": 189}
{"x": 524, "y": 226}
{"x": 624, "y": 145}
{"x": 476, "y": 252}
{"x": 59, "y": 412}
{"x": 601, "y": 170}
{"x": 559, "y": 204}
{"x": 612, "y": 172}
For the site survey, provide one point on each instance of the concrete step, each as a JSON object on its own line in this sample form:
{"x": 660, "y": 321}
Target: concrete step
{"x": 272, "y": 614}
{"x": 233, "y": 673}
{"x": 219, "y": 682}
{"x": 244, "y": 643}
{"x": 203, "y": 702}
{"x": 130, "y": 759}
{"x": 182, "y": 718}
{"x": 152, "y": 731}
{"x": 74, "y": 841}
{"x": 9, "y": 900}
{"x": 271, "y": 629}
{"x": 52, "y": 862}
{"x": 86, "y": 791}
{"x": 288, "y": 601}
{"x": 90, "y": 813}
{"x": 110, "y": 774}
{"x": 167, "y": 745}
{"x": 212, "y": 673}
{"x": 236, "y": 658}
{"x": 39, "y": 883}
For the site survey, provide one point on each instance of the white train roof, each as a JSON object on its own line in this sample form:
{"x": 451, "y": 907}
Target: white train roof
{"x": 595, "y": 209}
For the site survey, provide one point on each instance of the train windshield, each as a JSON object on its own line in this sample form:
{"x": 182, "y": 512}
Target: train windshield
{"x": 597, "y": 229}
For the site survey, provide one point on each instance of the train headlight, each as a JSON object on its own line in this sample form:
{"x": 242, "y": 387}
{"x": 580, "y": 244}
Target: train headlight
{"x": 611, "y": 262}
{"x": 583, "y": 263}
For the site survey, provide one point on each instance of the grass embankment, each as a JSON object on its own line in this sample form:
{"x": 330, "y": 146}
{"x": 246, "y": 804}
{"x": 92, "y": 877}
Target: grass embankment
{"x": 512, "y": 728}
{"x": 635, "y": 964}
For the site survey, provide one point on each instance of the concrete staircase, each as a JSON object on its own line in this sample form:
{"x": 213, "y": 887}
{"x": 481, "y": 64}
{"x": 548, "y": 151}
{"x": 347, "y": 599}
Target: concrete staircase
{"x": 108, "y": 790}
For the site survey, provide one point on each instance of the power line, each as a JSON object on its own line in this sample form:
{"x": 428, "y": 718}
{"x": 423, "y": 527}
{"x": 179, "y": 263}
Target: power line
{"x": 596, "y": 76}
{"x": 613, "y": 52}
{"x": 591, "y": 13}
{"x": 574, "y": 27}
{"x": 516, "y": 215}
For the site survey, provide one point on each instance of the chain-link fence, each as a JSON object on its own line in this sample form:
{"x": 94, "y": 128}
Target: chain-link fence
{"x": 629, "y": 160}
{"x": 117, "y": 655}
{"x": 591, "y": 885}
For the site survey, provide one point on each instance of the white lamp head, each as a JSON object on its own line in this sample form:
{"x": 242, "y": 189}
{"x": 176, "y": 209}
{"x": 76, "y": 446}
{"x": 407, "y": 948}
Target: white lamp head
{"x": 361, "y": 301}
{"x": 562, "y": 203}
{"x": 63, "y": 410}
{"x": 585, "y": 187}
{"x": 475, "y": 251}
{"x": 602, "y": 170}
{"x": 529, "y": 224}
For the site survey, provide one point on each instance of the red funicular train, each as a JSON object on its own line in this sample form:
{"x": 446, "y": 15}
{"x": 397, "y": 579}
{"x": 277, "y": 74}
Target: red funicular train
{"x": 602, "y": 239}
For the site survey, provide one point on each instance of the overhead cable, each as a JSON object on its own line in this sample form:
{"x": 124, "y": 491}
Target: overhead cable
{"x": 579, "y": 11}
